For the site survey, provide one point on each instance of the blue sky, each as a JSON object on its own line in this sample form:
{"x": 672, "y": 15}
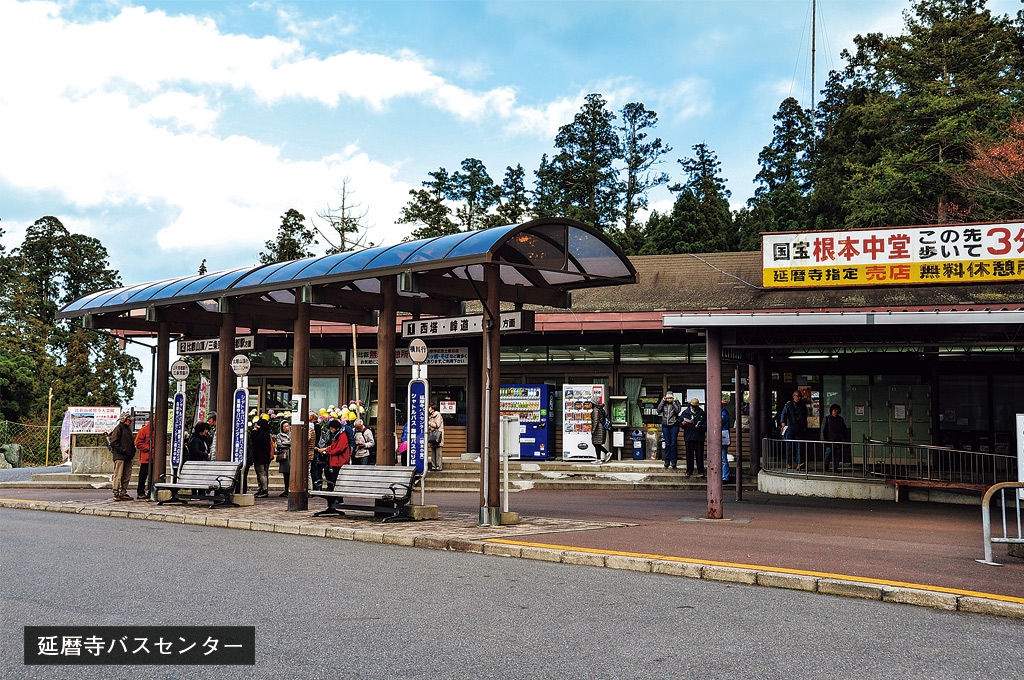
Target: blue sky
{"x": 177, "y": 131}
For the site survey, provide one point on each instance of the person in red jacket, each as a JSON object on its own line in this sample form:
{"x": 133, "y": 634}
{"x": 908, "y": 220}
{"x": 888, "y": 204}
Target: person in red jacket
{"x": 142, "y": 445}
{"x": 337, "y": 450}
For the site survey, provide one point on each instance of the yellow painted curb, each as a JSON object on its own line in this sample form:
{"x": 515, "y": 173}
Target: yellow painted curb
{"x": 776, "y": 570}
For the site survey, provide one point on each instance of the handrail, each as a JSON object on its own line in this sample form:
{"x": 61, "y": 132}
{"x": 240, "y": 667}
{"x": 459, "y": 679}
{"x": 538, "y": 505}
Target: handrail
{"x": 920, "y": 464}
{"x": 986, "y": 518}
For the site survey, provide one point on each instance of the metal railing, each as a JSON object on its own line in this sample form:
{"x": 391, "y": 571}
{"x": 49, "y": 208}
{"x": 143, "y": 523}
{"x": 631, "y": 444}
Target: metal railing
{"x": 888, "y": 461}
{"x": 986, "y": 517}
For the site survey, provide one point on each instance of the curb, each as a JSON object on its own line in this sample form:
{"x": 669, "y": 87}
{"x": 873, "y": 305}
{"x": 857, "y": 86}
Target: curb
{"x": 945, "y": 599}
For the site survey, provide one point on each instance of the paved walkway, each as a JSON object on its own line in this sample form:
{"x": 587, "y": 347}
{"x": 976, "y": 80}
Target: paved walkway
{"x": 915, "y": 553}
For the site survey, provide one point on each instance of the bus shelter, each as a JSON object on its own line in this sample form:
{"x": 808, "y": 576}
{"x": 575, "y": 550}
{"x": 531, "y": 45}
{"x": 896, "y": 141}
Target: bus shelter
{"x": 535, "y": 263}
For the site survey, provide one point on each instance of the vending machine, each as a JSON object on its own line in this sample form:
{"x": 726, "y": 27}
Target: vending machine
{"x": 576, "y": 405}
{"x": 534, "y": 404}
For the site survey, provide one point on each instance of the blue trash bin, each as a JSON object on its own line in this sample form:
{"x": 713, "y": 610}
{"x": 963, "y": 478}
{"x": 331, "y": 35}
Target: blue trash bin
{"x": 638, "y": 444}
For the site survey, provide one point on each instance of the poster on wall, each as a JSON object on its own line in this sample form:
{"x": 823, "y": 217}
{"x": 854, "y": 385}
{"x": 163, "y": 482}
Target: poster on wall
{"x": 93, "y": 419}
{"x": 576, "y": 444}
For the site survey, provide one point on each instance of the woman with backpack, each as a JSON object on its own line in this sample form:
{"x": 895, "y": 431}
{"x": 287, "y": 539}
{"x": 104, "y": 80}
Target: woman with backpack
{"x": 599, "y": 430}
{"x": 337, "y": 450}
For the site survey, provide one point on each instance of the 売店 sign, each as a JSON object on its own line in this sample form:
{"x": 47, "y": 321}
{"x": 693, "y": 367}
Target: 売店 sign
{"x": 243, "y": 343}
{"x": 465, "y": 325}
{"x": 948, "y": 253}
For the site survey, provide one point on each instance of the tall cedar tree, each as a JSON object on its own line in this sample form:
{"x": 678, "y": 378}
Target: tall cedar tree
{"x": 427, "y": 208}
{"x": 293, "y": 240}
{"x": 51, "y": 268}
{"x": 581, "y": 182}
{"x": 515, "y": 204}
{"x": 920, "y": 98}
{"x": 783, "y": 183}
{"x": 475, "y": 194}
{"x": 640, "y": 154}
{"x": 710, "y": 229}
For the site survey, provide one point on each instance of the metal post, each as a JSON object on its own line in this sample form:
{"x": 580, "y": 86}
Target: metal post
{"x": 714, "y": 421}
{"x": 492, "y": 274}
{"x": 49, "y": 415}
{"x": 386, "y": 400}
{"x": 299, "y": 463}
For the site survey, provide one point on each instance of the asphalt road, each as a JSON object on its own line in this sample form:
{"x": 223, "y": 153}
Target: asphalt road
{"x": 327, "y": 608}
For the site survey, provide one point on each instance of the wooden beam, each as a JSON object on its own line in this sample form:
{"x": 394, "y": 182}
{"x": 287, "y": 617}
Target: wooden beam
{"x": 386, "y": 372}
{"x": 299, "y": 473}
{"x": 357, "y": 299}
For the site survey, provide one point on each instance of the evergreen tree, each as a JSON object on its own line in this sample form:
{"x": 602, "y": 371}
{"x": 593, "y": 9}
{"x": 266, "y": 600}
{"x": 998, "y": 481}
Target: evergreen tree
{"x": 910, "y": 105}
{"x": 475, "y": 193}
{"x": 581, "y": 182}
{"x": 293, "y": 240}
{"x": 710, "y": 226}
{"x": 783, "y": 181}
{"x": 427, "y": 208}
{"x": 640, "y": 154}
{"x": 515, "y": 204}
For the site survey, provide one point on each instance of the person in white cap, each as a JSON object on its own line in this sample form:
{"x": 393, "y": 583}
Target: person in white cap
{"x": 669, "y": 411}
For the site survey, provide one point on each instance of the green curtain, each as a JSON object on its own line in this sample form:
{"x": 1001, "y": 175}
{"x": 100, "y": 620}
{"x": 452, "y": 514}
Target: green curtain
{"x": 632, "y": 388}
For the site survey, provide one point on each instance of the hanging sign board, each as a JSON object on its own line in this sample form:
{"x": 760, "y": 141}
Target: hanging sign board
{"x": 946, "y": 253}
{"x": 473, "y": 324}
{"x": 417, "y": 434}
{"x": 239, "y": 415}
{"x": 437, "y": 356}
{"x": 243, "y": 343}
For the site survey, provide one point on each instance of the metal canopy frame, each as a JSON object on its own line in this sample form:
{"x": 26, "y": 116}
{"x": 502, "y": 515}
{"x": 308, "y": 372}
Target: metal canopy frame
{"x": 538, "y": 262}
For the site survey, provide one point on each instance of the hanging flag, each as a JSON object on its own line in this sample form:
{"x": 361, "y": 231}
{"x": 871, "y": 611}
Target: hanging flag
{"x": 203, "y": 402}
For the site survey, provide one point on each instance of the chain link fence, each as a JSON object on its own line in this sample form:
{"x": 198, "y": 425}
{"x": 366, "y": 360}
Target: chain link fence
{"x": 26, "y": 445}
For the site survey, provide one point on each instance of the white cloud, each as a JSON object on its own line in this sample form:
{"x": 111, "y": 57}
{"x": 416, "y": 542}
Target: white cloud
{"x": 127, "y": 111}
{"x": 688, "y": 98}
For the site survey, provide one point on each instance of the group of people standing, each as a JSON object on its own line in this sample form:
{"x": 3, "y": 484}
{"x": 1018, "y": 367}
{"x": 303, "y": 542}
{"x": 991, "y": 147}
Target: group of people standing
{"x": 693, "y": 422}
{"x": 334, "y": 443}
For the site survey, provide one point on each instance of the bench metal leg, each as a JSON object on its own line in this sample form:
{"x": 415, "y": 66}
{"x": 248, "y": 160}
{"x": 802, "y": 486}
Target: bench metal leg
{"x": 223, "y": 501}
{"x": 174, "y": 499}
{"x": 331, "y": 509}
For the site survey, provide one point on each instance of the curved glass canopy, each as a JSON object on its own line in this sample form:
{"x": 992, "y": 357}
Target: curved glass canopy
{"x": 550, "y": 253}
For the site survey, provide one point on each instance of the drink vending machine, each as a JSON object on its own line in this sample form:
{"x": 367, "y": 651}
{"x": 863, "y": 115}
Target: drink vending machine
{"x": 534, "y": 404}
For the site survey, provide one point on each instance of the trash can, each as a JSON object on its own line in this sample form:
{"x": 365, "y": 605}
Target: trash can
{"x": 652, "y": 445}
{"x": 638, "y": 444}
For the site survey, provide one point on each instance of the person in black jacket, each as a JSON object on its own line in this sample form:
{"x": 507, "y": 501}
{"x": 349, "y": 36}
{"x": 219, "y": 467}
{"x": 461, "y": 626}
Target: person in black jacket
{"x": 198, "y": 446}
{"x": 122, "y": 450}
{"x": 833, "y": 431}
{"x": 259, "y": 457}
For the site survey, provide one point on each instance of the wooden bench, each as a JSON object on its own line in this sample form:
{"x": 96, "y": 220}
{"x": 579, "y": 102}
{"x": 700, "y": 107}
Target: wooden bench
{"x": 389, "y": 486}
{"x": 204, "y": 475}
{"x": 903, "y": 486}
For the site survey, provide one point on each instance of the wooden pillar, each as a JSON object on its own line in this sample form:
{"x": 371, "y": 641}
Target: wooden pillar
{"x": 714, "y": 418}
{"x": 386, "y": 397}
{"x": 764, "y": 414}
{"x": 474, "y": 400}
{"x": 158, "y": 459}
{"x": 225, "y": 380}
{"x": 754, "y": 419}
{"x": 738, "y": 419}
{"x": 299, "y": 463}
{"x": 491, "y": 383}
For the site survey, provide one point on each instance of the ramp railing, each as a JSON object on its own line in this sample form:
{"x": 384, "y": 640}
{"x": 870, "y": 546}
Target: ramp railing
{"x": 986, "y": 517}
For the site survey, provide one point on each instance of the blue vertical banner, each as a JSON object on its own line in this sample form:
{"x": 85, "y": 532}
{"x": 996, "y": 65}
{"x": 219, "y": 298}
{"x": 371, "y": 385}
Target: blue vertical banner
{"x": 177, "y": 431}
{"x": 239, "y": 416}
{"x": 418, "y": 424}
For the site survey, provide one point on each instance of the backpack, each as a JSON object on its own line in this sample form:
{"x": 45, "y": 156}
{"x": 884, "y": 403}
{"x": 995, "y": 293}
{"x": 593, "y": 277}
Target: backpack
{"x": 350, "y": 434}
{"x": 109, "y": 441}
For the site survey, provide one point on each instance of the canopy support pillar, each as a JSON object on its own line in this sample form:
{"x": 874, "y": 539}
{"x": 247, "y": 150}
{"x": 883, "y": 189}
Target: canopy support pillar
{"x": 298, "y": 460}
{"x": 158, "y": 457}
{"x": 490, "y": 510}
{"x": 713, "y": 405}
{"x": 225, "y": 395}
{"x": 386, "y": 397}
